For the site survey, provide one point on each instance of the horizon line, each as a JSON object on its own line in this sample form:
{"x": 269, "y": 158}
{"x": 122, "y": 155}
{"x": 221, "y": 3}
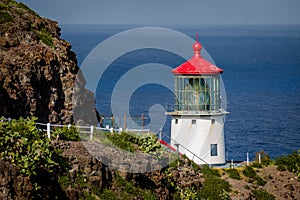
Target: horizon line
{"x": 139, "y": 24}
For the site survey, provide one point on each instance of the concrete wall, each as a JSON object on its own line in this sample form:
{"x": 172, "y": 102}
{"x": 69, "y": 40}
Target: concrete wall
{"x": 197, "y": 137}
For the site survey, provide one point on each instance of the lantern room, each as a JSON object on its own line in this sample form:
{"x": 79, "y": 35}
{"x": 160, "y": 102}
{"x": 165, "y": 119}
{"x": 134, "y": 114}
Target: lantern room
{"x": 197, "y": 84}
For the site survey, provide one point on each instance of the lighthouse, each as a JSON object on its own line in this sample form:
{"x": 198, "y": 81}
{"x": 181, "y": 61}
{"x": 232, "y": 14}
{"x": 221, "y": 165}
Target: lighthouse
{"x": 197, "y": 125}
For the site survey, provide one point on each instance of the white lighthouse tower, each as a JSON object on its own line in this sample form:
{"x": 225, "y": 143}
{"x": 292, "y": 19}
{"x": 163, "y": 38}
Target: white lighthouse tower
{"x": 197, "y": 126}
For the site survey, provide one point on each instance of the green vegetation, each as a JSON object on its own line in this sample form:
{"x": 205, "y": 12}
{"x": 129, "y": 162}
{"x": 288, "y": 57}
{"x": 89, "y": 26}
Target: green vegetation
{"x": 214, "y": 187}
{"x": 108, "y": 195}
{"x": 45, "y": 37}
{"x": 23, "y": 145}
{"x": 265, "y": 159}
{"x": 7, "y": 6}
{"x": 261, "y": 194}
{"x": 281, "y": 167}
{"x": 129, "y": 190}
{"x": 134, "y": 142}
{"x": 234, "y": 174}
{"x": 23, "y": 6}
{"x": 67, "y": 133}
{"x": 191, "y": 162}
{"x": 188, "y": 193}
{"x": 5, "y": 17}
{"x": 290, "y": 162}
{"x": 251, "y": 174}
{"x": 173, "y": 187}
{"x": 124, "y": 141}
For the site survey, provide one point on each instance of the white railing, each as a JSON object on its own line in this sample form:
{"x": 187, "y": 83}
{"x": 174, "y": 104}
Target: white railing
{"x": 85, "y": 129}
{"x": 138, "y": 130}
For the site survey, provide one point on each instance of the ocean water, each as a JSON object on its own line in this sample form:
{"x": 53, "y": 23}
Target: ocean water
{"x": 261, "y": 76}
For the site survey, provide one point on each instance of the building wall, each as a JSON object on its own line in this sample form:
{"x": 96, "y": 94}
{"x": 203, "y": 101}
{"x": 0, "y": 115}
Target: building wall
{"x": 200, "y": 135}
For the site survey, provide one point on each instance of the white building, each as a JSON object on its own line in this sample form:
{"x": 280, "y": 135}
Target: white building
{"x": 197, "y": 128}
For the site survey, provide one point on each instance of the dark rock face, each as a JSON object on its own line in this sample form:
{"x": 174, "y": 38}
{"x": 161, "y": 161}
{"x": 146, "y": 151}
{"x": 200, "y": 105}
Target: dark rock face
{"x": 103, "y": 177}
{"x": 37, "y": 68}
{"x": 12, "y": 184}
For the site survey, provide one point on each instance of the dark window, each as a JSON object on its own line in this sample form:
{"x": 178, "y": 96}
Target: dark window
{"x": 213, "y": 121}
{"x": 214, "y": 150}
{"x": 193, "y": 121}
{"x": 176, "y": 121}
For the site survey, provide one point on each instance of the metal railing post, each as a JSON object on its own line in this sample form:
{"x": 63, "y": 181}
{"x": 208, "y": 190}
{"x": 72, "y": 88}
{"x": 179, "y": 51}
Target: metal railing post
{"x": 142, "y": 118}
{"x": 48, "y": 129}
{"x": 247, "y": 159}
{"x": 177, "y": 147}
{"x": 160, "y": 134}
{"x": 124, "y": 121}
{"x": 91, "y": 132}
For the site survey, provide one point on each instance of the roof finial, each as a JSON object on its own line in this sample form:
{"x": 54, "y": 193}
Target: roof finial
{"x": 197, "y": 47}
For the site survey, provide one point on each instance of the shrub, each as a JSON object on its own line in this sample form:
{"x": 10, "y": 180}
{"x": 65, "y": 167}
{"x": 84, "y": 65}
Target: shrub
{"x": 261, "y": 194}
{"x": 260, "y": 181}
{"x": 292, "y": 162}
{"x": 249, "y": 172}
{"x": 214, "y": 187}
{"x": 206, "y": 170}
{"x": 188, "y": 193}
{"x": 281, "y": 167}
{"x": 122, "y": 140}
{"x": 23, "y": 145}
{"x": 247, "y": 187}
{"x": 256, "y": 164}
{"x": 129, "y": 190}
{"x": 108, "y": 195}
{"x": 65, "y": 133}
{"x": 45, "y": 37}
{"x": 133, "y": 142}
{"x": 264, "y": 158}
{"x": 234, "y": 174}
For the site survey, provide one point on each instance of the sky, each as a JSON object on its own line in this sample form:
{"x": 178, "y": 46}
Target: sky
{"x": 156, "y": 12}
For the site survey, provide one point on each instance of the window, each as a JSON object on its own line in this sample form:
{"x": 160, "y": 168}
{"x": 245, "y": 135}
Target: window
{"x": 213, "y": 121}
{"x": 193, "y": 121}
{"x": 213, "y": 150}
{"x": 176, "y": 121}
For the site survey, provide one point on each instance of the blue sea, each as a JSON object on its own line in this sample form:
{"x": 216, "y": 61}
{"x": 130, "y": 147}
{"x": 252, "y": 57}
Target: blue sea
{"x": 261, "y": 66}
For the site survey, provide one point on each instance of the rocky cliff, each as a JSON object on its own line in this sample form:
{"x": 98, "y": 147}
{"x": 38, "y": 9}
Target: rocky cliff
{"x": 37, "y": 67}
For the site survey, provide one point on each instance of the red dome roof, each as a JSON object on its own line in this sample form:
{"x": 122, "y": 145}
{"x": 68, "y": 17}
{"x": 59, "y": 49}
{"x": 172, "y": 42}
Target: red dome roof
{"x": 197, "y": 64}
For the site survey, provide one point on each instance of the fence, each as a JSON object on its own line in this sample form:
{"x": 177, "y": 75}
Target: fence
{"x": 85, "y": 129}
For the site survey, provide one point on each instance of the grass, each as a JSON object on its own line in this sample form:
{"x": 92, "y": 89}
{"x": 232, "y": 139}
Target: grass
{"x": 45, "y": 37}
{"x": 5, "y": 17}
{"x": 261, "y": 194}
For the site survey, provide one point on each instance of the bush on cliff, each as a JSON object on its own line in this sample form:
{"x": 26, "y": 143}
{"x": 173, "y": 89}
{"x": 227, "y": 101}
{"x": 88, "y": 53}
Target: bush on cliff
{"x": 291, "y": 162}
{"x": 26, "y": 147}
{"x": 214, "y": 187}
{"x": 67, "y": 133}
